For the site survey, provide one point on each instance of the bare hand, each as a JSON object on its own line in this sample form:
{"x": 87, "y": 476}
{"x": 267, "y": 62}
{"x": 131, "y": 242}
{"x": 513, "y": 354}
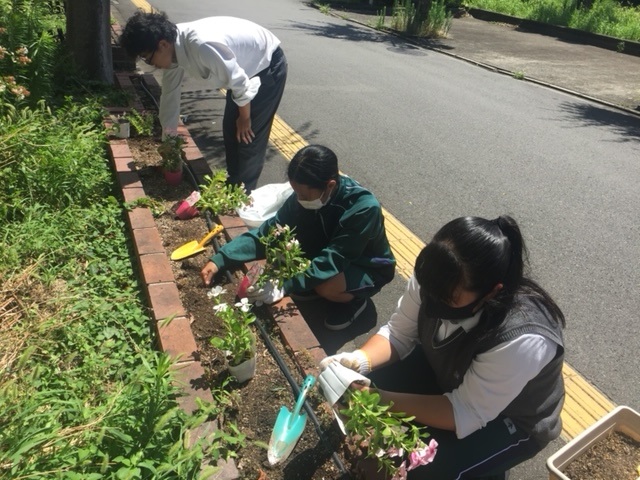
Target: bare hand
{"x": 244, "y": 133}
{"x": 207, "y": 273}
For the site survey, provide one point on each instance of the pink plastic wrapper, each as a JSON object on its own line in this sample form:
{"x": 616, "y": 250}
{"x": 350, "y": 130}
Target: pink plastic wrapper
{"x": 186, "y": 209}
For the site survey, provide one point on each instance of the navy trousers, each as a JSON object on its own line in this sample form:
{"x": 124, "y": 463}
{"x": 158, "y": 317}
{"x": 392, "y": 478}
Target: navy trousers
{"x": 245, "y": 161}
{"x": 487, "y": 453}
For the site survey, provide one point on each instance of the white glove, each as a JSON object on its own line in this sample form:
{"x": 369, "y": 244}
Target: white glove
{"x": 334, "y": 381}
{"x": 269, "y": 293}
{"x": 358, "y": 361}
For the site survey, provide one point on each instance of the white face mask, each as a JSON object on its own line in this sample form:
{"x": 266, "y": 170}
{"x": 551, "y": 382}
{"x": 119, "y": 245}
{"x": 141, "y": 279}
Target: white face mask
{"x": 312, "y": 204}
{"x": 316, "y": 204}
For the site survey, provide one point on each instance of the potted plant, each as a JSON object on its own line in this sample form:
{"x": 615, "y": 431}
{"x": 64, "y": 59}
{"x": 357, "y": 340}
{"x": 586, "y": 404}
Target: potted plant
{"x": 172, "y": 156}
{"x": 239, "y": 341}
{"x": 622, "y": 420}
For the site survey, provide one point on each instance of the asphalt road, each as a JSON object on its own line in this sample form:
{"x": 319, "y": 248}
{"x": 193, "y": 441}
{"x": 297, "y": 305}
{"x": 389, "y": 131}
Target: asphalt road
{"x": 436, "y": 138}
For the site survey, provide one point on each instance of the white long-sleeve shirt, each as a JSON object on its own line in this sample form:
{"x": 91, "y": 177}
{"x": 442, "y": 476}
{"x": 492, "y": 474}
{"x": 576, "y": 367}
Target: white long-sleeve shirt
{"x": 226, "y": 51}
{"x": 495, "y": 377}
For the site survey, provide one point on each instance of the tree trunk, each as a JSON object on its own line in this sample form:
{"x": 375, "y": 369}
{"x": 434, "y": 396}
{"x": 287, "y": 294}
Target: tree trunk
{"x": 89, "y": 37}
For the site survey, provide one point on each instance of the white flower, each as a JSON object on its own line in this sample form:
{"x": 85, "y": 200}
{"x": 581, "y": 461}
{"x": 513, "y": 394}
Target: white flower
{"x": 216, "y": 291}
{"x": 244, "y": 305}
{"x": 221, "y": 307}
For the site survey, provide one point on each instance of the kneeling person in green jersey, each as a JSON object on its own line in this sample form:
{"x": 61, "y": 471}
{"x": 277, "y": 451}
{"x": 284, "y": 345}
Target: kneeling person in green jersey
{"x": 340, "y": 227}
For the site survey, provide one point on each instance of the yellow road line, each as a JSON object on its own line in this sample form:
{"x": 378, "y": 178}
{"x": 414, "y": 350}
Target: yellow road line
{"x": 143, "y": 5}
{"x": 584, "y": 404}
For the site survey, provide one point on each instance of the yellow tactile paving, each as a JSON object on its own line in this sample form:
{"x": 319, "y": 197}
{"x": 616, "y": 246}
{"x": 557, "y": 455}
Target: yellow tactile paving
{"x": 584, "y": 404}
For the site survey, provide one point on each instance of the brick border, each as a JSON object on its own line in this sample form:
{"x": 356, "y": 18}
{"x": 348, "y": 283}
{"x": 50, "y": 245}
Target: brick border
{"x": 167, "y": 312}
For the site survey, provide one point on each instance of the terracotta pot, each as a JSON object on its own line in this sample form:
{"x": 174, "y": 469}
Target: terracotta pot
{"x": 245, "y": 371}
{"x": 173, "y": 178}
{"x": 621, "y": 419}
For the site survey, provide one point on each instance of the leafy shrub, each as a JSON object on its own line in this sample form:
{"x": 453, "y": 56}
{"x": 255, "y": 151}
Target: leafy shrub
{"x": 220, "y": 197}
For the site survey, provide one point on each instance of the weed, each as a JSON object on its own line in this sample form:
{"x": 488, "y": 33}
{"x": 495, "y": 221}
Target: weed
{"x": 142, "y": 123}
{"x": 518, "y": 75}
{"x": 156, "y": 206}
{"x": 323, "y": 7}
{"x": 382, "y": 17}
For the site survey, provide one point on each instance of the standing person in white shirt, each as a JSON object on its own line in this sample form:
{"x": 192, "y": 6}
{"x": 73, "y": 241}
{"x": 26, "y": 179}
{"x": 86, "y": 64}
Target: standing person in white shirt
{"x": 474, "y": 351}
{"x": 231, "y": 53}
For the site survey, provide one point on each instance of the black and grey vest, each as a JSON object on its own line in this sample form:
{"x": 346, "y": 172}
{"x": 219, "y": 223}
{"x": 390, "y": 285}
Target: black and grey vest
{"x": 537, "y": 408}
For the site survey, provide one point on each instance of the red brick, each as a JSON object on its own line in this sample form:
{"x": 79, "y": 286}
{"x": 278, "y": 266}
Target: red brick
{"x": 200, "y": 167}
{"x": 164, "y": 300}
{"x": 176, "y": 339}
{"x": 119, "y": 150}
{"x": 190, "y": 377}
{"x": 147, "y": 240}
{"x": 124, "y": 164}
{"x": 150, "y": 80}
{"x": 192, "y": 153}
{"x": 132, "y": 194}
{"x": 231, "y": 221}
{"x": 141, "y": 218}
{"x": 295, "y": 331}
{"x": 156, "y": 268}
{"x": 315, "y": 355}
{"x": 129, "y": 180}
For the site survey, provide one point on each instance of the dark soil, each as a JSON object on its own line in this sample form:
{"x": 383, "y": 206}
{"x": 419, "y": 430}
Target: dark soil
{"x": 260, "y": 398}
{"x": 616, "y": 457}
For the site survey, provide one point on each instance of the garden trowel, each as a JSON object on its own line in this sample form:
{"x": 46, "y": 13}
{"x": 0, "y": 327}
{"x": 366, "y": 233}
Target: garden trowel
{"x": 194, "y": 246}
{"x": 289, "y": 426}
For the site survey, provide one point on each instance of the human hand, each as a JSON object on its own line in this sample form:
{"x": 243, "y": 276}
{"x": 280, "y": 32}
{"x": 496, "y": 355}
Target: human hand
{"x": 207, "y": 273}
{"x": 244, "y": 133}
{"x": 358, "y": 361}
{"x": 269, "y": 293}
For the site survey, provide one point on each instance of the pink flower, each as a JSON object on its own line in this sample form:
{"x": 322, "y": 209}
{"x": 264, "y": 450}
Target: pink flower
{"x": 422, "y": 456}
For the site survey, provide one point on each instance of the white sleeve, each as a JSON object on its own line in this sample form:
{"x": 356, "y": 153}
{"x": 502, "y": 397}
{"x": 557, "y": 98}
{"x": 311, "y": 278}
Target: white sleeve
{"x": 222, "y": 63}
{"x": 402, "y": 328}
{"x": 169, "y": 111}
{"x": 495, "y": 378}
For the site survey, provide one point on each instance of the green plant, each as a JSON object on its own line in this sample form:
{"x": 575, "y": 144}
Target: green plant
{"x": 323, "y": 7}
{"x": 142, "y": 123}
{"x": 170, "y": 151}
{"x": 238, "y": 342}
{"x": 220, "y": 197}
{"x": 388, "y": 435}
{"x": 156, "y": 206}
{"x": 380, "y": 20}
{"x": 518, "y": 75}
{"x": 284, "y": 256}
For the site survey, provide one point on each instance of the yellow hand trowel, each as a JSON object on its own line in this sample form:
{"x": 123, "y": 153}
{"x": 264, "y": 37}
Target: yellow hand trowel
{"x": 194, "y": 246}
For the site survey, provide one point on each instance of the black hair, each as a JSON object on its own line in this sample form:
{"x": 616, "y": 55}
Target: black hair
{"x": 476, "y": 254}
{"x": 144, "y": 30}
{"x": 314, "y": 166}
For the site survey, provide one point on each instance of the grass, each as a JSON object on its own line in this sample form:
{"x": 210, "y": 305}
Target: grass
{"x": 83, "y": 392}
{"x": 605, "y": 17}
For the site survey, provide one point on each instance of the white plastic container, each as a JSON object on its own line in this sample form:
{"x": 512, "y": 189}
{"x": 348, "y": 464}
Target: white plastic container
{"x": 622, "y": 419}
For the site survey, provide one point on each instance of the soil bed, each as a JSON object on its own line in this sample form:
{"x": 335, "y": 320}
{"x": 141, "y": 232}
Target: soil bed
{"x": 259, "y": 399}
{"x": 617, "y": 456}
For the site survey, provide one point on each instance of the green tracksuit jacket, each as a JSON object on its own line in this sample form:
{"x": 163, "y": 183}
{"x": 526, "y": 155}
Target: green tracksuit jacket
{"x": 348, "y": 230}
